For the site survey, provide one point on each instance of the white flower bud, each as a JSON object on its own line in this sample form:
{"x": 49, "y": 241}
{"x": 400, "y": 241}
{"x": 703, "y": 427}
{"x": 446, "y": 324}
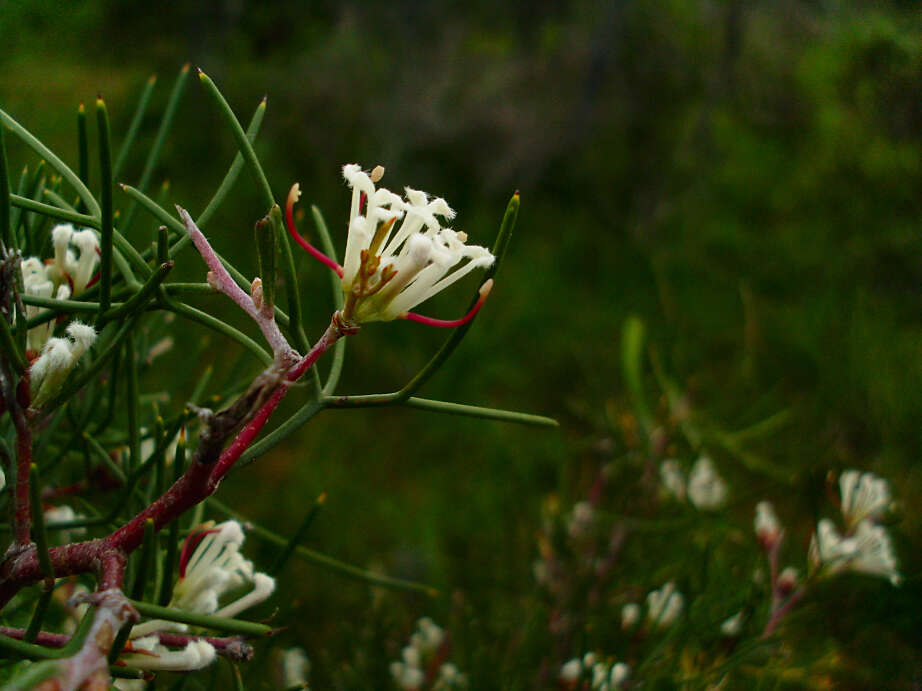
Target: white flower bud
{"x": 767, "y": 528}
{"x": 620, "y": 673}
{"x": 673, "y": 478}
{"x": 664, "y": 605}
{"x": 571, "y": 670}
{"x": 197, "y": 654}
{"x": 706, "y": 489}
{"x": 630, "y": 614}
{"x": 787, "y": 580}
{"x": 732, "y": 626}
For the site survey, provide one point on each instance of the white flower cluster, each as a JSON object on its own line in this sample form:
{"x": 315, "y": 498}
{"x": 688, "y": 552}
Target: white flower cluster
{"x": 704, "y": 487}
{"x": 732, "y": 626}
{"x": 603, "y": 676}
{"x": 409, "y": 672}
{"x": 388, "y": 270}
{"x": 865, "y": 546}
{"x": 59, "y": 356}
{"x": 213, "y": 569}
{"x": 65, "y": 276}
{"x": 664, "y": 606}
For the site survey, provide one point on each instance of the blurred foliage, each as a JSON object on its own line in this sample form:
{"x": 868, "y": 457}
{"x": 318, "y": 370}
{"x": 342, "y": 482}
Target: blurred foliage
{"x": 743, "y": 174}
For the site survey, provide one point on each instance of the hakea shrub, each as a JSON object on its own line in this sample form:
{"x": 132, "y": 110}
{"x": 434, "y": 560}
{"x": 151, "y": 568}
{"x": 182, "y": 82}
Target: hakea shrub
{"x": 109, "y": 571}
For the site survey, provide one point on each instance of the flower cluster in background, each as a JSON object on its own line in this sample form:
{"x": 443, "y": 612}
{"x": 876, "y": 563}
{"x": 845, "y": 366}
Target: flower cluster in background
{"x": 424, "y": 661}
{"x": 703, "y": 487}
{"x": 865, "y": 545}
{"x": 602, "y": 675}
{"x": 597, "y": 561}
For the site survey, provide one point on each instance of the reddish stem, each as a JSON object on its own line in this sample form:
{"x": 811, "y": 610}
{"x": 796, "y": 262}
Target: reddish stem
{"x": 22, "y": 513}
{"x": 233, "y": 647}
{"x": 106, "y": 556}
{"x": 780, "y": 612}
{"x": 451, "y": 323}
{"x": 255, "y": 425}
{"x": 293, "y": 196}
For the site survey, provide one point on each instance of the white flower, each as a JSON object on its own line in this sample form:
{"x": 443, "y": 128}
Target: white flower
{"x": 571, "y": 670}
{"x": 706, "y": 489}
{"x": 600, "y": 676}
{"x": 389, "y": 269}
{"x": 428, "y": 636}
{"x": 407, "y": 677}
{"x": 129, "y": 684}
{"x": 787, "y": 579}
{"x": 868, "y": 551}
{"x": 620, "y": 673}
{"x": 36, "y": 283}
{"x": 217, "y": 567}
{"x": 673, "y": 478}
{"x": 58, "y": 358}
{"x": 149, "y": 653}
{"x": 864, "y": 495}
{"x": 630, "y": 613}
{"x": 2, "y": 480}
{"x": 66, "y": 275}
{"x": 74, "y": 269}
{"x": 732, "y": 626}
{"x": 449, "y": 678}
{"x": 411, "y": 655}
{"x": 767, "y": 527}
{"x": 214, "y": 569}
{"x": 664, "y": 605}
{"x": 295, "y": 667}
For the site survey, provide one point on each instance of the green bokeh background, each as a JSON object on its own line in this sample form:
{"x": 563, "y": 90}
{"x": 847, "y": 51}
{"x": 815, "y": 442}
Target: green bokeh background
{"x": 743, "y": 175}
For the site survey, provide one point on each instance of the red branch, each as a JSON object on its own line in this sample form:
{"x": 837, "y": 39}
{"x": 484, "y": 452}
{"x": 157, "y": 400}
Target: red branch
{"x": 232, "y": 647}
{"x": 106, "y": 556}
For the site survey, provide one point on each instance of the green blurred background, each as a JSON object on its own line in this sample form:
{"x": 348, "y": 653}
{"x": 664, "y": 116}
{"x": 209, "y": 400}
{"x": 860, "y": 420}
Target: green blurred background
{"x": 743, "y": 175}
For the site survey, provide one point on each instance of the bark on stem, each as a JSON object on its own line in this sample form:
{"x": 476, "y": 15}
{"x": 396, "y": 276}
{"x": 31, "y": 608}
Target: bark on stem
{"x": 208, "y": 466}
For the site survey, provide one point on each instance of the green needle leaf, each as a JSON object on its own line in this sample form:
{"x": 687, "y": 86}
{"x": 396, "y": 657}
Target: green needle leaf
{"x": 44, "y": 152}
{"x": 105, "y": 229}
{"x": 4, "y": 192}
{"x": 632, "y": 350}
{"x": 153, "y": 155}
{"x": 245, "y": 628}
{"x": 134, "y": 127}
{"x": 83, "y": 153}
{"x": 243, "y": 143}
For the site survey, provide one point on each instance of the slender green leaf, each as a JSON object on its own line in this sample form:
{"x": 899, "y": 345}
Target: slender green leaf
{"x": 44, "y": 152}
{"x": 153, "y": 156}
{"x": 83, "y": 151}
{"x": 105, "y": 197}
{"x": 134, "y": 127}
{"x": 245, "y": 628}
{"x": 5, "y": 210}
{"x": 243, "y": 143}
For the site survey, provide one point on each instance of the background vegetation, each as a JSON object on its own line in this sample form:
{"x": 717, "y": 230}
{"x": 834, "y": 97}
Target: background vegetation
{"x": 742, "y": 175}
